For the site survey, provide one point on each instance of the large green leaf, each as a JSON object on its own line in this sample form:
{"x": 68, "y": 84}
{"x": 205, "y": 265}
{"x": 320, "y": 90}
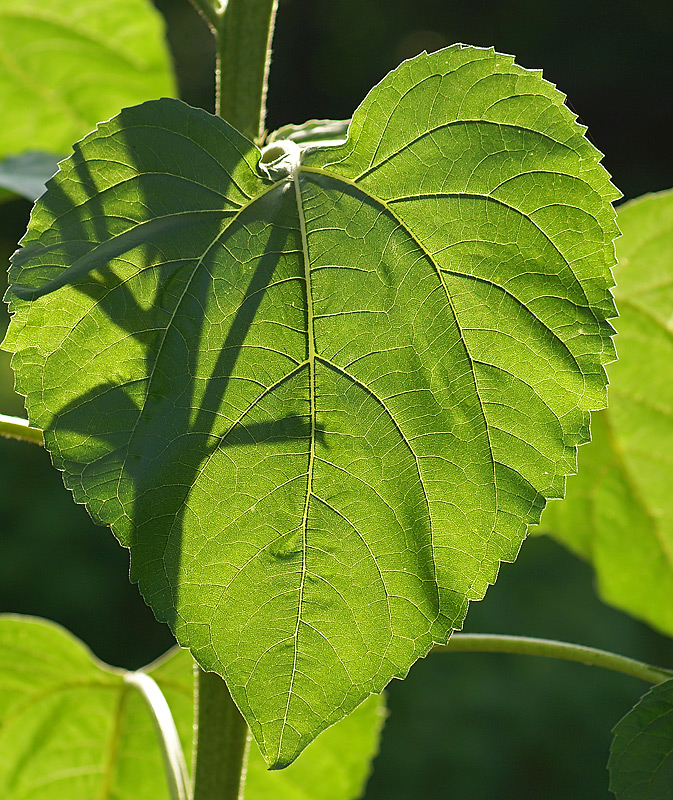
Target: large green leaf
{"x": 71, "y": 727}
{"x": 618, "y": 512}
{"x": 67, "y": 64}
{"x": 641, "y": 756}
{"x": 320, "y": 409}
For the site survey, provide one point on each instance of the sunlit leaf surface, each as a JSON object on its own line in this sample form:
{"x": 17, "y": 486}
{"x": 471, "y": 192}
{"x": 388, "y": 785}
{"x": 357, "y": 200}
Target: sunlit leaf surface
{"x": 619, "y": 508}
{"x": 320, "y": 409}
{"x": 69, "y": 725}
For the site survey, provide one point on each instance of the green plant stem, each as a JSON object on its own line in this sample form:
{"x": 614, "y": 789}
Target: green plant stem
{"x": 525, "y": 645}
{"x": 222, "y": 740}
{"x": 174, "y": 759}
{"x": 244, "y": 29}
{"x": 17, "y": 428}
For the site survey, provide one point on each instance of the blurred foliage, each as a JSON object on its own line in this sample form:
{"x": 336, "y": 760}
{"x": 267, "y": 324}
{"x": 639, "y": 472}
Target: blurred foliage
{"x": 462, "y": 726}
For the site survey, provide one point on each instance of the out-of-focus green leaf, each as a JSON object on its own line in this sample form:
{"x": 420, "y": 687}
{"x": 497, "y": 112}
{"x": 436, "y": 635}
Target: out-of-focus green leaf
{"x": 618, "y": 511}
{"x": 333, "y": 767}
{"x": 70, "y": 727}
{"x": 27, "y": 174}
{"x": 320, "y": 410}
{"x": 65, "y": 65}
{"x": 641, "y": 756}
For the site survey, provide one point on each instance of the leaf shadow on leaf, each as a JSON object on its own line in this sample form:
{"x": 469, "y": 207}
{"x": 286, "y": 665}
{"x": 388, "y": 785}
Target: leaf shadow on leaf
{"x": 159, "y": 468}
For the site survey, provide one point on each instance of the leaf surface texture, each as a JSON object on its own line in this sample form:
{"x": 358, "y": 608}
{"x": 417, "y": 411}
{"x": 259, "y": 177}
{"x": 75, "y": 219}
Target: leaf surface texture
{"x": 321, "y": 410}
{"x": 641, "y": 755}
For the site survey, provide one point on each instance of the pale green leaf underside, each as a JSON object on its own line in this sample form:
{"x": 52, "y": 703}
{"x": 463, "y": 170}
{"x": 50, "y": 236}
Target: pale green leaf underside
{"x": 641, "y": 755}
{"x": 618, "y": 512}
{"x": 67, "y": 64}
{"x": 71, "y": 728}
{"x": 27, "y": 174}
{"x": 321, "y": 411}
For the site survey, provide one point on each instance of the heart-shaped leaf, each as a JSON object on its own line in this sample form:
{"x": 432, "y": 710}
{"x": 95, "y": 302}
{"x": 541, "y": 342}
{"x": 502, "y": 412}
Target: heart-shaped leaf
{"x": 618, "y": 512}
{"x": 72, "y": 727}
{"x": 641, "y": 756}
{"x": 67, "y": 64}
{"x": 321, "y": 408}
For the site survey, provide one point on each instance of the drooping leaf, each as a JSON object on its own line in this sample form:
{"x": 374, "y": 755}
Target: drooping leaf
{"x": 27, "y": 174}
{"x": 641, "y": 756}
{"x": 70, "y": 727}
{"x": 321, "y": 409}
{"x": 618, "y": 511}
{"x": 67, "y": 64}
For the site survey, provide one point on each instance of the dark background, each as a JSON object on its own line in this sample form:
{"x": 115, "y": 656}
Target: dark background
{"x": 461, "y": 726}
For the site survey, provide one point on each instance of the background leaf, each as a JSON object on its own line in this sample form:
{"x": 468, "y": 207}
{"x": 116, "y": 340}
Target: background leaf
{"x": 70, "y": 727}
{"x": 618, "y": 511}
{"x": 26, "y": 174}
{"x": 321, "y": 411}
{"x": 65, "y": 65}
{"x": 641, "y": 756}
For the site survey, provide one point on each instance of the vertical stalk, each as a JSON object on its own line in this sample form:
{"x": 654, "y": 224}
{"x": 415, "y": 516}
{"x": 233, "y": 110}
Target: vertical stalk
{"x": 221, "y": 741}
{"x": 244, "y": 30}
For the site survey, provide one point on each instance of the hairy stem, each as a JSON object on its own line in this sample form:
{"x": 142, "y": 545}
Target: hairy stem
{"x": 244, "y": 29}
{"x": 222, "y": 740}
{"x": 17, "y": 428}
{"x": 525, "y": 645}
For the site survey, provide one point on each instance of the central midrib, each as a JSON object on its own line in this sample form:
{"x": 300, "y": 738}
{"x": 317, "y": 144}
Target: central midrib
{"x": 311, "y": 356}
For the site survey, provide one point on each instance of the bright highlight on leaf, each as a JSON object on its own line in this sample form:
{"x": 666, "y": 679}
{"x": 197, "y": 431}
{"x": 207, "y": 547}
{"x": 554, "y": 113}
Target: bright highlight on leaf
{"x": 320, "y": 409}
{"x": 641, "y": 756}
{"x": 71, "y": 727}
{"x": 618, "y": 512}
{"x": 67, "y": 64}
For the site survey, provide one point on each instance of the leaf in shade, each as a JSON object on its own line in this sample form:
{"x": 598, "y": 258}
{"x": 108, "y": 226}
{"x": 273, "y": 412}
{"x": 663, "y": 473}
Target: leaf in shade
{"x": 27, "y": 174}
{"x": 641, "y": 756}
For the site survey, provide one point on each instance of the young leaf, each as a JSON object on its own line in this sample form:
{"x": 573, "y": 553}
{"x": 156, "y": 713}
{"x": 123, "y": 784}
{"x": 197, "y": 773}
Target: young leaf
{"x": 70, "y": 727}
{"x": 641, "y": 756}
{"x": 67, "y": 64}
{"x": 320, "y": 409}
{"x": 618, "y": 512}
